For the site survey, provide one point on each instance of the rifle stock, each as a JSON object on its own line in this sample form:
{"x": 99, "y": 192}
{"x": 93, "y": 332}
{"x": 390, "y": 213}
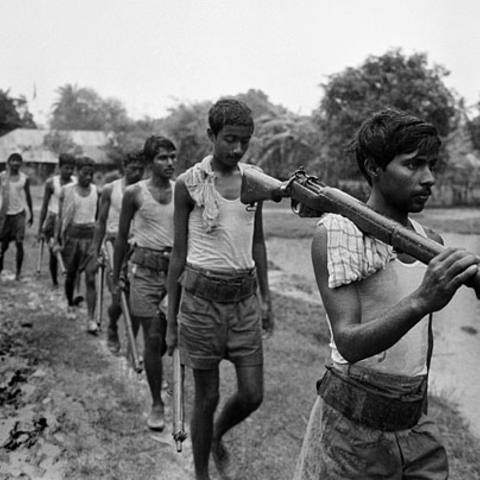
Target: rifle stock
{"x": 258, "y": 186}
{"x": 179, "y": 434}
{"x": 61, "y": 263}
{"x": 127, "y": 319}
{"x": 310, "y": 198}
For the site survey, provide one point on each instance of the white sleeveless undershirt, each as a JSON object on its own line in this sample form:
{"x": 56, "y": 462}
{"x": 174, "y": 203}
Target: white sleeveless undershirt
{"x": 229, "y": 246}
{"x": 16, "y": 198}
{"x": 85, "y": 207}
{"x": 380, "y": 292}
{"x": 54, "y": 201}
{"x": 118, "y": 187}
{"x": 153, "y": 221}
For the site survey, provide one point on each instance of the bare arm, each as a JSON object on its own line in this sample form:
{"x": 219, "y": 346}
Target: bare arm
{"x": 101, "y": 224}
{"x": 47, "y": 194}
{"x": 129, "y": 207}
{"x": 356, "y": 340}
{"x": 260, "y": 258}
{"x": 183, "y": 207}
{"x": 28, "y": 197}
{"x": 58, "y": 221}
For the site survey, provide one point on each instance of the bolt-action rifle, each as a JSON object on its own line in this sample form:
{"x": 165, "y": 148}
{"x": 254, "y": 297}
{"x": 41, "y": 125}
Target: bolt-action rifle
{"x": 127, "y": 319}
{"x": 311, "y": 198}
{"x": 60, "y": 261}
{"x": 41, "y": 246}
{"x": 100, "y": 289}
{"x": 179, "y": 434}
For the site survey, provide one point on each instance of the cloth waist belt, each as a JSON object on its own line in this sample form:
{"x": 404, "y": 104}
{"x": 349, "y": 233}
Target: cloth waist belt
{"x": 81, "y": 232}
{"x": 217, "y": 286}
{"x": 369, "y": 406}
{"x": 154, "y": 259}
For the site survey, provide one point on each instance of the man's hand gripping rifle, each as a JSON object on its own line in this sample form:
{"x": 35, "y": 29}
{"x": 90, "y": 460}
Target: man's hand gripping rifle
{"x": 132, "y": 345}
{"x": 310, "y": 198}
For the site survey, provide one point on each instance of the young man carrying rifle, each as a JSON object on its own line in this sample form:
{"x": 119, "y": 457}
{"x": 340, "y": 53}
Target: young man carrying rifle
{"x": 15, "y": 200}
{"x": 218, "y": 257}
{"x": 148, "y": 207}
{"x": 107, "y": 230}
{"x": 74, "y": 232}
{"x": 370, "y": 419}
{"x": 50, "y": 206}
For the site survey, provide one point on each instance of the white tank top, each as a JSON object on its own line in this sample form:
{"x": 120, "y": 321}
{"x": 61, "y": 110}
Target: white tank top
{"x": 55, "y": 197}
{"x": 118, "y": 187}
{"x": 229, "y": 246}
{"x": 16, "y": 198}
{"x": 378, "y": 293}
{"x": 153, "y": 221}
{"x": 85, "y": 207}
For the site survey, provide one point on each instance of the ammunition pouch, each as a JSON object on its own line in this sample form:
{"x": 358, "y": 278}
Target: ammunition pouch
{"x": 219, "y": 287}
{"x": 157, "y": 260}
{"x": 373, "y": 407}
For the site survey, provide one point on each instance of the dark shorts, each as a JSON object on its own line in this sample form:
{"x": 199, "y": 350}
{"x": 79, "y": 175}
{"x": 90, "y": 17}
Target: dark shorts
{"x": 75, "y": 253}
{"x": 211, "y": 331}
{"x": 337, "y": 448}
{"x": 14, "y": 228}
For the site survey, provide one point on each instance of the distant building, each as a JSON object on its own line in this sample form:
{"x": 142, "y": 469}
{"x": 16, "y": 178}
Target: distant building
{"x": 40, "y": 149}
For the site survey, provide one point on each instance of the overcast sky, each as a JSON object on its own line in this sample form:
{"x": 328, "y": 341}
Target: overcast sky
{"x": 153, "y": 54}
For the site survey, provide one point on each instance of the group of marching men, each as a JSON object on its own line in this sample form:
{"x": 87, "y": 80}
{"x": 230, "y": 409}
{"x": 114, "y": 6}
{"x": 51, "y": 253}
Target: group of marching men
{"x": 127, "y": 230}
{"x": 194, "y": 239}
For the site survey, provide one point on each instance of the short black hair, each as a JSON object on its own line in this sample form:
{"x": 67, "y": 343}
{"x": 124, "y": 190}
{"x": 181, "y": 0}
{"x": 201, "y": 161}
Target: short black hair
{"x": 84, "y": 162}
{"x": 154, "y": 144}
{"x": 392, "y": 132}
{"x": 133, "y": 156}
{"x": 15, "y": 156}
{"x": 229, "y": 111}
{"x": 66, "y": 159}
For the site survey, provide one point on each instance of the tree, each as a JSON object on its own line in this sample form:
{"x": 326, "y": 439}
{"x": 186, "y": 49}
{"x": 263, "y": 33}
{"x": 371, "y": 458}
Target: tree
{"x": 187, "y": 126}
{"x": 84, "y": 109}
{"x": 474, "y": 128}
{"x": 283, "y": 143}
{"x": 391, "y": 80}
{"x": 14, "y": 113}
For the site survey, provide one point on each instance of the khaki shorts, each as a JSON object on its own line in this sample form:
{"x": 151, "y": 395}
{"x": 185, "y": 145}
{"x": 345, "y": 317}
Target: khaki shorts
{"x": 337, "y": 448}
{"x": 147, "y": 290}
{"x": 211, "y": 331}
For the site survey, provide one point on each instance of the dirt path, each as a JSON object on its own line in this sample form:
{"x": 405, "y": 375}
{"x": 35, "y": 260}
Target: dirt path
{"x": 69, "y": 408}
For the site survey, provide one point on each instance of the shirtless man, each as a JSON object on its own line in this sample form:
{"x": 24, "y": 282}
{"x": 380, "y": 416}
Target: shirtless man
{"x": 149, "y": 203}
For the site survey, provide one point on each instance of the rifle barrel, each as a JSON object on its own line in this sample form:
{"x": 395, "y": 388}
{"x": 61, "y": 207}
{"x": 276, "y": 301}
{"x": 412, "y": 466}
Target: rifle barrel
{"x": 127, "y": 319}
{"x": 179, "y": 434}
{"x": 40, "y": 255}
{"x": 321, "y": 199}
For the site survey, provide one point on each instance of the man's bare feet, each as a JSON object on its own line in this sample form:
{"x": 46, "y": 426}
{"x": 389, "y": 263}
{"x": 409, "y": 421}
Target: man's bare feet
{"x": 222, "y": 460}
{"x": 156, "y": 419}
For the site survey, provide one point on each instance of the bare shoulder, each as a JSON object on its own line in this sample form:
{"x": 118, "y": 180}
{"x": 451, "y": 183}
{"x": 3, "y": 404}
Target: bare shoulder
{"x": 433, "y": 235}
